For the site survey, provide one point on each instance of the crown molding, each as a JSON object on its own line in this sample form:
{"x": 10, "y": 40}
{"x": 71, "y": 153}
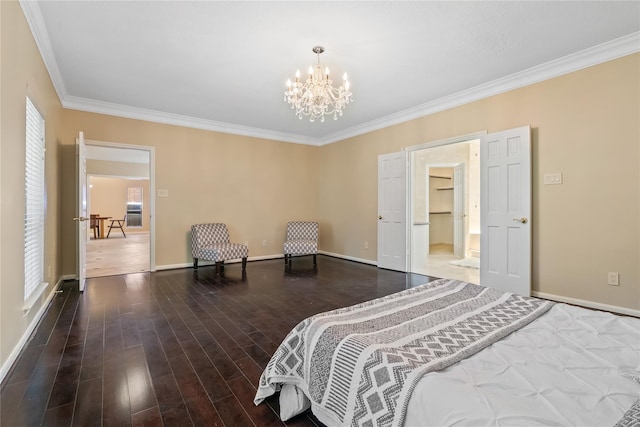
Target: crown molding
{"x": 598, "y": 54}
{"x": 32, "y": 14}
{"x": 118, "y": 110}
{"x": 604, "y": 52}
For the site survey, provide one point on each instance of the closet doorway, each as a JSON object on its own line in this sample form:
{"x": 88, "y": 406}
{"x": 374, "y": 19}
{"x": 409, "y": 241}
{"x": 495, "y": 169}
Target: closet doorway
{"x": 445, "y": 235}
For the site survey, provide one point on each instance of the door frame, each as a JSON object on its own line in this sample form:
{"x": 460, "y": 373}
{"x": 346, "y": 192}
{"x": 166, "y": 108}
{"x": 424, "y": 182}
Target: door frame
{"x": 410, "y": 185}
{"x": 152, "y": 189}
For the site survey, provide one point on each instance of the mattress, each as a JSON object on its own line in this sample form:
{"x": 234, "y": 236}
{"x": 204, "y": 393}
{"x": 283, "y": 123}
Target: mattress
{"x": 570, "y": 367}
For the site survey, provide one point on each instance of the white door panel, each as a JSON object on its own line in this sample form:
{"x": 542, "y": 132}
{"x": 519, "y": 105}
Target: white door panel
{"x": 505, "y": 210}
{"x": 392, "y": 216}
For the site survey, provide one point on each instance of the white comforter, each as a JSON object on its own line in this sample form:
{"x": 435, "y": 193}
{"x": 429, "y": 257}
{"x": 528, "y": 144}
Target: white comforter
{"x": 570, "y": 367}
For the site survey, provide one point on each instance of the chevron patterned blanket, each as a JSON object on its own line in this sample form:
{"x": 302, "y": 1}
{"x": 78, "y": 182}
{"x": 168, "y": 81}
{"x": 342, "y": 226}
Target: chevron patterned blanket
{"x": 359, "y": 365}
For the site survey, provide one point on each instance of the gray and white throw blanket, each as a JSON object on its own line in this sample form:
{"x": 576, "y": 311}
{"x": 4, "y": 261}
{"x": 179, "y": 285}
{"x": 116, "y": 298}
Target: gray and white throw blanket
{"x": 360, "y": 364}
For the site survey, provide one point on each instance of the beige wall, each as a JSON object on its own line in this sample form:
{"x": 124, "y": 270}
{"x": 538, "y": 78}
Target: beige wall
{"x": 108, "y": 197}
{"x": 254, "y": 186}
{"x": 585, "y": 124}
{"x": 23, "y": 74}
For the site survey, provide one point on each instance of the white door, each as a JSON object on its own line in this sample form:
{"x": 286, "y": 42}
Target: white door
{"x": 458, "y": 211}
{"x": 505, "y": 210}
{"x": 392, "y": 211}
{"x": 82, "y": 210}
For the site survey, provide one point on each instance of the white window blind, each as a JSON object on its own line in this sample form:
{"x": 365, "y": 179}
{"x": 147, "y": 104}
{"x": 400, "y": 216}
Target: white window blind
{"x": 34, "y": 209}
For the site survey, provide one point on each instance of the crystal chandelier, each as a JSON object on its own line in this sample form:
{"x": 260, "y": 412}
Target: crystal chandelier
{"x": 317, "y": 97}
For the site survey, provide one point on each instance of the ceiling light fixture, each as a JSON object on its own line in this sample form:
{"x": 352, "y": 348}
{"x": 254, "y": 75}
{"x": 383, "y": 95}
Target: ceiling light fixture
{"x": 317, "y": 97}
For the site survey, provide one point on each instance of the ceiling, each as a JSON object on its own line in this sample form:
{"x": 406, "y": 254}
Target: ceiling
{"x": 223, "y": 65}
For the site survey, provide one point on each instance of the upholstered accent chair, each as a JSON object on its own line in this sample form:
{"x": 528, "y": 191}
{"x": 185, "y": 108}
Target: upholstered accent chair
{"x": 302, "y": 239}
{"x": 211, "y": 242}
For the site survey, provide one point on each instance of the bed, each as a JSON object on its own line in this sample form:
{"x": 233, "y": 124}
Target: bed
{"x": 453, "y": 353}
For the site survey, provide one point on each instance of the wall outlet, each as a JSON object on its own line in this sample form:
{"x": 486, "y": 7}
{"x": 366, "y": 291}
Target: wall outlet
{"x": 553, "y": 178}
{"x": 264, "y": 243}
{"x": 613, "y": 278}
{"x": 246, "y": 243}
{"x": 366, "y": 245}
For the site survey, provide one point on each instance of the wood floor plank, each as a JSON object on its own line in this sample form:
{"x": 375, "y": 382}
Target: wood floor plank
{"x": 148, "y": 418}
{"x": 59, "y": 417}
{"x": 176, "y": 347}
{"x": 88, "y": 407}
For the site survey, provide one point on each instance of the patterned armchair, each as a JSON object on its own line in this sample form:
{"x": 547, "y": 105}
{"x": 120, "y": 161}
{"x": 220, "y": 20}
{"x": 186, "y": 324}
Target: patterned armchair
{"x": 211, "y": 242}
{"x": 302, "y": 239}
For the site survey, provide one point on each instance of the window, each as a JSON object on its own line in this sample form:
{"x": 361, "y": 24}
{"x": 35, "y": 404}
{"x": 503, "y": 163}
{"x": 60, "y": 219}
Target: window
{"x": 34, "y": 205}
{"x": 134, "y": 207}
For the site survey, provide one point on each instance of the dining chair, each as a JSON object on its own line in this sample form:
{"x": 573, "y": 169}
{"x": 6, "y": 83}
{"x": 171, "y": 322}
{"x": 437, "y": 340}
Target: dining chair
{"x": 117, "y": 223}
{"x": 94, "y": 225}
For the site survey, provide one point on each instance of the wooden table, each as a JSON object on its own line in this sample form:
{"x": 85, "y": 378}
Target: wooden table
{"x": 101, "y": 219}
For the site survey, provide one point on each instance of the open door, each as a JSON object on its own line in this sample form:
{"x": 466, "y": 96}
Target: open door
{"x": 459, "y": 214}
{"x": 392, "y": 211}
{"x": 505, "y": 210}
{"x": 82, "y": 217}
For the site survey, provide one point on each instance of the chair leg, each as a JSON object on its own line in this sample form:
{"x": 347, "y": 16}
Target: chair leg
{"x": 244, "y": 263}
{"x": 195, "y": 263}
{"x": 122, "y": 229}
{"x": 218, "y": 266}
{"x": 314, "y": 259}
{"x": 285, "y": 259}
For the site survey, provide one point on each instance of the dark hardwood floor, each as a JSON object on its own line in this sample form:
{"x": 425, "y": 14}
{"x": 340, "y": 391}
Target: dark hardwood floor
{"x": 179, "y": 347}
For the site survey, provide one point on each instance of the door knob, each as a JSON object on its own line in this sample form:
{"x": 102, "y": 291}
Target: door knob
{"x": 522, "y": 220}
{"x": 81, "y": 219}
{"x": 379, "y": 216}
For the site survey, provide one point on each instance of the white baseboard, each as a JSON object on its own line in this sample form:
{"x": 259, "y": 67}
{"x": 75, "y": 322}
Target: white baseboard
{"x": 67, "y": 277}
{"x": 6, "y": 366}
{"x": 202, "y": 263}
{"x": 590, "y": 304}
{"x": 350, "y": 258}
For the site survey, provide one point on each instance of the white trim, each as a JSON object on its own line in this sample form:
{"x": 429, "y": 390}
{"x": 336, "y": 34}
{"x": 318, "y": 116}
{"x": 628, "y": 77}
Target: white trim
{"x": 604, "y": 52}
{"x": 31, "y": 11}
{"x": 204, "y": 263}
{"x": 589, "y": 304}
{"x": 66, "y": 277}
{"x": 118, "y": 110}
{"x": 453, "y": 140}
{"x": 13, "y": 356}
{"x": 349, "y": 258}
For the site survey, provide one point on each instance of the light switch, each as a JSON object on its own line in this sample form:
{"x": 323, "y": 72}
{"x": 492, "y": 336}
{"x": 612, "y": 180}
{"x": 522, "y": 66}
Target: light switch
{"x": 163, "y": 193}
{"x": 553, "y": 178}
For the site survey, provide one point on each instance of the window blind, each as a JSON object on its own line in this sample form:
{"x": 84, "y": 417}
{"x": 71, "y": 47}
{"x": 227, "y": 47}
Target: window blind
{"x": 34, "y": 207}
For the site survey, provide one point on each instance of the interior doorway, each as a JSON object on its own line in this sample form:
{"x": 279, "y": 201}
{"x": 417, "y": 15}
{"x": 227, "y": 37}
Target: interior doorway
{"x": 119, "y": 199}
{"x": 445, "y": 210}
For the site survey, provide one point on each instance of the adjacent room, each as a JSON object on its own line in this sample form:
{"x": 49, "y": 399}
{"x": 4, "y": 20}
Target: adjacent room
{"x": 319, "y": 213}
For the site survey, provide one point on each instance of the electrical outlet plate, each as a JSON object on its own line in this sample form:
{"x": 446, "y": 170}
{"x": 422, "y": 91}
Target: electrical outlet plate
{"x": 613, "y": 278}
{"x": 366, "y": 245}
{"x": 553, "y": 178}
